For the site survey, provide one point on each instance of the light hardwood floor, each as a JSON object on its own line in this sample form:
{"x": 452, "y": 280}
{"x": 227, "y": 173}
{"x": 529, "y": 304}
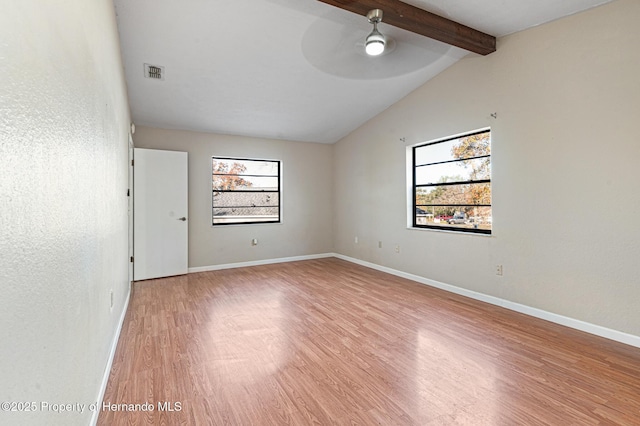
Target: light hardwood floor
{"x": 329, "y": 342}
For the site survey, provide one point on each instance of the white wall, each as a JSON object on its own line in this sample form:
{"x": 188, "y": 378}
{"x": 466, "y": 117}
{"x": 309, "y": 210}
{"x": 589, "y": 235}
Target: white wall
{"x": 565, "y": 171}
{"x": 307, "y": 217}
{"x": 63, "y": 205}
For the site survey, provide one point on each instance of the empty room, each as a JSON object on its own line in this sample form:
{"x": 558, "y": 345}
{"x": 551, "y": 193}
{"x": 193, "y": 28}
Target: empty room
{"x": 296, "y": 212}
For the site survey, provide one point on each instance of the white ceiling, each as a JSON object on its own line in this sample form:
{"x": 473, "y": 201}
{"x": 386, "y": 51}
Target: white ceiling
{"x": 290, "y": 69}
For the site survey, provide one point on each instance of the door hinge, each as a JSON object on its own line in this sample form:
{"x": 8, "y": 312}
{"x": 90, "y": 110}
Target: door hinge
{"x": 128, "y": 192}
{"x": 131, "y": 259}
{"x": 132, "y": 162}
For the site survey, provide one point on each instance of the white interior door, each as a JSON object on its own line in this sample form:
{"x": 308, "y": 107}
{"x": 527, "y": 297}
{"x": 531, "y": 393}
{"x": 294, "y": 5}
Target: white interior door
{"x": 160, "y": 213}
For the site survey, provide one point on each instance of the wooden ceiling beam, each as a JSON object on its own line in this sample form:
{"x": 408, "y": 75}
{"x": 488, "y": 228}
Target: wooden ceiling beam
{"x": 419, "y": 21}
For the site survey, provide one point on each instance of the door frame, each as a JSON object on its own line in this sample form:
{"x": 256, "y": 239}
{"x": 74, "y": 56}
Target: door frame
{"x": 130, "y": 212}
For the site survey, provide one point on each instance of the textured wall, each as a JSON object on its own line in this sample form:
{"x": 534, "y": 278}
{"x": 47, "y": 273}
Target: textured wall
{"x": 63, "y": 205}
{"x": 565, "y": 174}
{"x": 307, "y": 218}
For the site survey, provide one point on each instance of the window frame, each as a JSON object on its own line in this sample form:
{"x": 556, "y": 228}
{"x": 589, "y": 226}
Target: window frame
{"x": 413, "y": 190}
{"x": 278, "y": 191}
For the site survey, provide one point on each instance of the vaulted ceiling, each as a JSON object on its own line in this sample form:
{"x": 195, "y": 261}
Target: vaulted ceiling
{"x": 291, "y": 69}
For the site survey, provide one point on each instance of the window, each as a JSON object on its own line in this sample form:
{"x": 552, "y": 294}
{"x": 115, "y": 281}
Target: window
{"x": 452, "y": 183}
{"x": 245, "y": 191}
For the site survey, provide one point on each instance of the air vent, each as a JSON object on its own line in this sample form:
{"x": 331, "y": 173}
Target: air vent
{"x": 154, "y": 71}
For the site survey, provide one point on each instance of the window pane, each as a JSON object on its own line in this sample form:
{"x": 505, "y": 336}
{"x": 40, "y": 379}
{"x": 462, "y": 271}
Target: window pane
{"x": 458, "y": 171}
{"x": 455, "y": 217}
{"x": 477, "y": 193}
{"x": 246, "y": 211}
{"x": 244, "y": 183}
{"x": 245, "y": 199}
{"x": 245, "y": 167}
{"x": 240, "y": 215}
{"x": 464, "y": 147}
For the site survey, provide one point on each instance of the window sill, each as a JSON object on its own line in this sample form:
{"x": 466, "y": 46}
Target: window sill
{"x": 450, "y": 231}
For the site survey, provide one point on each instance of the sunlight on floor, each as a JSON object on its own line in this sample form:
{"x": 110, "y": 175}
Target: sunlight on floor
{"x": 474, "y": 399}
{"x": 257, "y": 328}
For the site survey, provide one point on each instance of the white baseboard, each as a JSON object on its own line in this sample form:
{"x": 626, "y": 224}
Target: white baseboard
{"x": 597, "y": 330}
{"x": 112, "y": 354}
{"x": 259, "y": 262}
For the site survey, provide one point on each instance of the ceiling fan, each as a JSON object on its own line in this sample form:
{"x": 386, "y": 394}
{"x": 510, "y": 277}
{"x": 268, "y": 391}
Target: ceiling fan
{"x": 419, "y": 21}
{"x": 375, "y": 42}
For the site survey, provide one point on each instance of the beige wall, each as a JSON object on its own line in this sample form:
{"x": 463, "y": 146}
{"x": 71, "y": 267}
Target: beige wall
{"x": 63, "y": 207}
{"x": 307, "y": 219}
{"x": 565, "y": 171}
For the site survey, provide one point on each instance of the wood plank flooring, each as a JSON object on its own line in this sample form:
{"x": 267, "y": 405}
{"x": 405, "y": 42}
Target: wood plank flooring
{"x": 327, "y": 342}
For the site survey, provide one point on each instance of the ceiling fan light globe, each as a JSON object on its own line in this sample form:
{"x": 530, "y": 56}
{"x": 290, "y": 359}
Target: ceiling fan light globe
{"x": 375, "y": 43}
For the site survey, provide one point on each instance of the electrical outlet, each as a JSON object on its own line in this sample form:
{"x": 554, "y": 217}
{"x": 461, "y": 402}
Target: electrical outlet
{"x": 379, "y": 244}
{"x": 355, "y": 240}
{"x": 498, "y": 269}
{"x": 397, "y": 248}
{"x": 254, "y": 242}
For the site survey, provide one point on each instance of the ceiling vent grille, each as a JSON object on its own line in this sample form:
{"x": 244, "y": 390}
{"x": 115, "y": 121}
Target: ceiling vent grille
{"x": 154, "y": 71}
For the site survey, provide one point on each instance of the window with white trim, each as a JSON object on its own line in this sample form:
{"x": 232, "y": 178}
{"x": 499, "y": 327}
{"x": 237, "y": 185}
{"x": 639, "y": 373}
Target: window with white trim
{"x": 245, "y": 191}
{"x": 451, "y": 186}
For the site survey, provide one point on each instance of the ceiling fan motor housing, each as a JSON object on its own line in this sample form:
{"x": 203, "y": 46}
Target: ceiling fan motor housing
{"x": 375, "y": 16}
